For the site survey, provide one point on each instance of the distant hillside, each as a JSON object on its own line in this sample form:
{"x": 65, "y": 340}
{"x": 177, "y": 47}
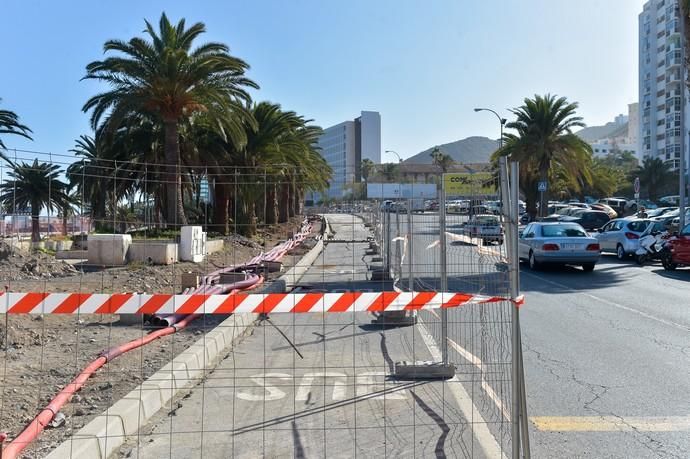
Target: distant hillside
{"x": 607, "y": 131}
{"x": 470, "y": 150}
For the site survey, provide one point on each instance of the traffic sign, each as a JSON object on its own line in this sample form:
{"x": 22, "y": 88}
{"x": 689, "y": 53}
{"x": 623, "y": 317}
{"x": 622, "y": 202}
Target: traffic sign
{"x": 636, "y": 185}
{"x": 637, "y": 195}
{"x": 541, "y": 186}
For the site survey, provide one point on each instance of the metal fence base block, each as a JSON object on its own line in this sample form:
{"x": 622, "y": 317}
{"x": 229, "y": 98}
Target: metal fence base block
{"x": 396, "y": 318}
{"x": 423, "y": 370}
{"x": 377, "y": 260}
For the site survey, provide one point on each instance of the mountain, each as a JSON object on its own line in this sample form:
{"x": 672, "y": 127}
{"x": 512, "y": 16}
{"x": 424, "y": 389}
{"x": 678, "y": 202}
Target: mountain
{"x": 472, "y": 150}
{"x": 607, "y": 131}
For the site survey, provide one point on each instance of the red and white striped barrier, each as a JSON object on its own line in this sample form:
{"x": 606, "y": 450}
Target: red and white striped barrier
{"x": 134, "y": 303}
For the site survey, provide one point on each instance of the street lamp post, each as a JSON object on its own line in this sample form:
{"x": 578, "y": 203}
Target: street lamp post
{"x": 502, "y": 122}
{"x": 396, "y": 154}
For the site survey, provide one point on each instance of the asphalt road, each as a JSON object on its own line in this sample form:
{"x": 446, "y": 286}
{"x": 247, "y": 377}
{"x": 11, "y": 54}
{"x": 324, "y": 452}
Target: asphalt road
{"x": 607, "y": 363}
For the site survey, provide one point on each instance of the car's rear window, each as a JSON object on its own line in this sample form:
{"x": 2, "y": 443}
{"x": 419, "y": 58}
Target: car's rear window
{"x": 638, "y": 226}
{"x": 563, "y": 231}
{"x": 486, "y": 220}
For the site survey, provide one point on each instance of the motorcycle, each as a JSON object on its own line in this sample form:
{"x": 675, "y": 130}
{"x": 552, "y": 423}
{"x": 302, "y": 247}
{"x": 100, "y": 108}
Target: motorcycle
{"x": 652, "y": 247}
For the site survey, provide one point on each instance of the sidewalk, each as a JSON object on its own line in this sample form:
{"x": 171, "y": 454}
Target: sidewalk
{"x": 338, "y": 401}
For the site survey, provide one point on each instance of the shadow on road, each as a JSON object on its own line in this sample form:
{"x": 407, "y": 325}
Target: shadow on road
{"x": 568, "y": 279}
{"x": 681, "y": 275}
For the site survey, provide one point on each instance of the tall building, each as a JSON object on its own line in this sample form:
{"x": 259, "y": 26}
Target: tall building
{"x": 663, "y": 118}
{"x": 619, "y": 135}
{"x": 345, "y": 145}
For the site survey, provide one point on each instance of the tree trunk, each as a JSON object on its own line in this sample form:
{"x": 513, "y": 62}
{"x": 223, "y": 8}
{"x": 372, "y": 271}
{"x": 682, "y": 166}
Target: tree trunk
{"x": 271, "y": 216}
{"x": 173, "y": 180}
{"x": 285, "y": 202}
{"x": 35, "y": 227}
{"x": 298, "y": 200}
{"x": 64, "y": 223}
{"x": 221, "y": 210}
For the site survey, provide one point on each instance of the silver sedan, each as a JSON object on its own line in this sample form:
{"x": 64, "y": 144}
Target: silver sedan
{"x": 544, "y": 243}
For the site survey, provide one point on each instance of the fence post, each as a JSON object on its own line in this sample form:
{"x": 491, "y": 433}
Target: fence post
{"x": 410, "y": 249}
{"x": 387, "y": 239}
{"x": 444, "y": 269}
{"x": 510, "y": 197}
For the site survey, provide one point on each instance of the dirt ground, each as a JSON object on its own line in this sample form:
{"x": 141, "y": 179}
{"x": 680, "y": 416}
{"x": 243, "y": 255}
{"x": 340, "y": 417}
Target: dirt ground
{"x": 39, "y": 355}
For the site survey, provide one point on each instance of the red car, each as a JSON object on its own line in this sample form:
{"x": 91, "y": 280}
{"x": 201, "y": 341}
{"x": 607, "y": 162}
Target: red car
{"x": 679, "y": 253}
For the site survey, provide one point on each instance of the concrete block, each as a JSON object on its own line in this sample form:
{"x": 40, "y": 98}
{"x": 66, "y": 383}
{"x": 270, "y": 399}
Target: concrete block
{"x": 231, "y": 278}
{"x": 190, "y": 280}
{"x": 78, "y": 446}
{"x": 108, "y": 249}
{"x": 112, "y": 424}
{"x": 156, "y": 252}
{"x": 149, "y": 397}
{"x": 131, "y": 319}
{"x": 63, "y": 245}
{"x": 214, "y": 245}
{"x": 72, "y": 255}
{"x": 423, "y": 370}
{"x": 192, "y": 244}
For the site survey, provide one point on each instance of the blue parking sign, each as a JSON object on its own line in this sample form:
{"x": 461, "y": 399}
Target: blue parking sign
{"x": 541, "y": 186}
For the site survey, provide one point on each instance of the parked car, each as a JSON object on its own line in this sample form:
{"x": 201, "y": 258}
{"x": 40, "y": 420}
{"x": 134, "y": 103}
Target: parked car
{"x": 622, "y": 236}
{"x": 605, "y": 208}
{"x": 486, "y": 227}
{"x": 679, "y": 250}
{"x": 659, "y": 211}
{"x": 588, "y": 219}
{"x": 558, "y": 243}
{"x": 431, "y": 205}
{"x": 649, "y": 205}
{"x": 620, "y": 205}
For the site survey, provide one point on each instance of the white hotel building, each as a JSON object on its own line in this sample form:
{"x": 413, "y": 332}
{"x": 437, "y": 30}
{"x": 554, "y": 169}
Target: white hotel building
{"x": 664, "y": 119}
{"x": 345, "y": 145}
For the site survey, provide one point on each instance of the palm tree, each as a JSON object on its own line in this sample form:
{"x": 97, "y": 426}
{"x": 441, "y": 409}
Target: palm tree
{"x": 653, "y": 174}
{"x": 544, "y": 144}
{"x": 165, "y": 78}
{"x": 441, "y": 160}
{"x": 9, "y": 124}
{"x": 34, "y": 186}
{"x": 90, "y": 175}
{"x": 366, "y": 168}
{"x": 389, "y": 171}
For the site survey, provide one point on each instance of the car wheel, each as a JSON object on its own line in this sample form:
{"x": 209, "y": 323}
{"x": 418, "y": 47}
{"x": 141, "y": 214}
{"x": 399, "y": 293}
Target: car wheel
{"x": 640, "y": 259}
{"x": 588, "y": 267}
{"x": 533, "y": 264}
{"x": 620, "y": 252}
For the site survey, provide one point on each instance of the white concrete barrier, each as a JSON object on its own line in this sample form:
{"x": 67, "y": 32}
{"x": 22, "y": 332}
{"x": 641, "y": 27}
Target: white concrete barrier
{"x": 72, "y": 255}
{"x": 215, "y": 245}
{"x": 108, "y": 249}
{"x": 151, "y": 251}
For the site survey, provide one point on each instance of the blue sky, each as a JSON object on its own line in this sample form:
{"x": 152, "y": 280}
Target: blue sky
{"x": 422, "y": 64}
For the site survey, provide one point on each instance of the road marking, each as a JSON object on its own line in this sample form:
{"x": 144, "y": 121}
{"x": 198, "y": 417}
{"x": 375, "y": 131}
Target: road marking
{"x": 368, "y": 385}
{"x": 479, "y": 426}
{"x": 611, "y": 423}
{"x": 476, "y": 361}
{"x": 615, "y": 305}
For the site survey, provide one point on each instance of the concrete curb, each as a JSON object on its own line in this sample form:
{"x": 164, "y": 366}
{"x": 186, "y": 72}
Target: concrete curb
{"x": 102, "y": 437}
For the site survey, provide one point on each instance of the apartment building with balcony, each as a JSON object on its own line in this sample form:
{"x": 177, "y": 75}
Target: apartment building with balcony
{"x": 663, "y": 112}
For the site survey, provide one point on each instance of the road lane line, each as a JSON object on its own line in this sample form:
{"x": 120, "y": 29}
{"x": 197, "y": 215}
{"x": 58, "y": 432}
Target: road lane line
{"x": 479, "y": 426}
{"x": 611, "y": 423}
{"x": 611, "y": 303}
{"x": 476, "y": 361}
